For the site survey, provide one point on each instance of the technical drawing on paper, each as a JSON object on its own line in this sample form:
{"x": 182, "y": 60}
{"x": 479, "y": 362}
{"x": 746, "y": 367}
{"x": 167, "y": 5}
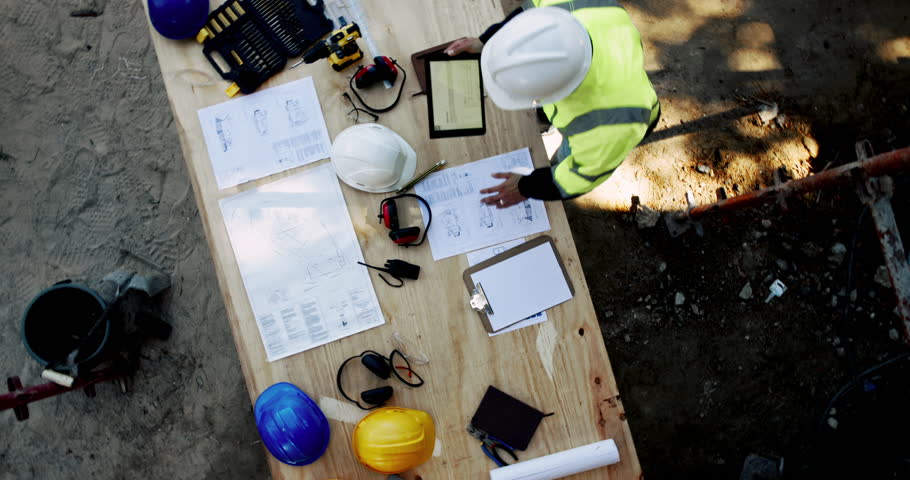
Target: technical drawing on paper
{"x": 486, "y": 216}
{"x": 470, "y": 224}
{"x": 283, "y": 152}
{"x": 278, "y": 296}
{"x": 265, "y": 133}
{"x": 296, "y": 113}
{"x": 261, "y": 119}
{"x": 524, "y": 212}
{"x": 450, "y": 220}
{"x": 223, "y": 129}
{"x": 299, "y": 148}
{"x": 297, "y": 252}
{"x": 322, "y": 258}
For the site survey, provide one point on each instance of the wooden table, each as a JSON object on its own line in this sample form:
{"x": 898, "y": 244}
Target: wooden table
{"x": 559, "y": 366}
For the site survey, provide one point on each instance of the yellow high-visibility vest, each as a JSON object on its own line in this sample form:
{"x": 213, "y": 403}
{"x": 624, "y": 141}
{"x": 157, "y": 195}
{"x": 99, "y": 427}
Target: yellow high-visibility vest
{"x": 609, "y": 113}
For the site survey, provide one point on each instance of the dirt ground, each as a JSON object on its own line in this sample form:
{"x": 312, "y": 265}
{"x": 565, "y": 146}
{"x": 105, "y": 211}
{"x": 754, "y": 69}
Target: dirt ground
{"x": 91, "y": 175}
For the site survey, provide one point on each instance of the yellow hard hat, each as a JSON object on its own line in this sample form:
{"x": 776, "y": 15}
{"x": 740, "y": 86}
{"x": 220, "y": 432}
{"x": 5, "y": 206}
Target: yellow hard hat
{"x": 393, "y": 440}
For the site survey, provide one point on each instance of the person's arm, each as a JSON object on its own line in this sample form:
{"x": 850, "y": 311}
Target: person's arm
{"x": 474, "y": 44}
{"x": 492, "y": 29}
{"x": 539, "y": 184}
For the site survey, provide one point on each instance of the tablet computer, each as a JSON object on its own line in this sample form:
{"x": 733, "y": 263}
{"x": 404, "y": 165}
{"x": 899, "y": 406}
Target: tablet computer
{"x": 455, "y": 95}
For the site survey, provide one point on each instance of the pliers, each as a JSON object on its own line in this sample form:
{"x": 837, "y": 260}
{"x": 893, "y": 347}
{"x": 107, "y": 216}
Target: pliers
{"x": 491, "y": 446}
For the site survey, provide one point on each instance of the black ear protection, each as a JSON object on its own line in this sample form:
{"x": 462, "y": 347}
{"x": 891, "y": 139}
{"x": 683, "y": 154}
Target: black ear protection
{"x": 388, "y": 215}
{"x": 383, "y": 69}
{"x": 383, "y": 368}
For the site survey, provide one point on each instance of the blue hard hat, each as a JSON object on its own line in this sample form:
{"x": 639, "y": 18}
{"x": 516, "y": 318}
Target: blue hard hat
{"x": 291, "y": 425}
{"x": 176, "y": 19}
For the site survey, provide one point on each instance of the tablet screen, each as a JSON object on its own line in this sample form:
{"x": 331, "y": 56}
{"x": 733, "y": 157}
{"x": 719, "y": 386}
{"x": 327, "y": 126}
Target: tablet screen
{"x": 456, "y": 96}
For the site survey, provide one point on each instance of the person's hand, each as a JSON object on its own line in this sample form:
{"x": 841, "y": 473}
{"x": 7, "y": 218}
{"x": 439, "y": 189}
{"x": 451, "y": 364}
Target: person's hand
{"x": 507, "y": 193}
{"x": 464, "y": 44}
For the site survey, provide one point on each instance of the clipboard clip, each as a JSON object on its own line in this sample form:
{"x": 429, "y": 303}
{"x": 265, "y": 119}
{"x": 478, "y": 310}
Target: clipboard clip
{"x": 479, "y": 300}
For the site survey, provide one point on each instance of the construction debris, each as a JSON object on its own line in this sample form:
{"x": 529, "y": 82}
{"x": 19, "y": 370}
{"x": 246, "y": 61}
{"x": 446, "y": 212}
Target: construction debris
{"x": 746, "y": 292}
{"x": 646, "y": 217}
{"x": 837, "y": 253}
{"x": 811, "y": 146}
{"x": 882, "y": 278}
{"x": 777, "y": 289}
{"x": 767, "y": 112}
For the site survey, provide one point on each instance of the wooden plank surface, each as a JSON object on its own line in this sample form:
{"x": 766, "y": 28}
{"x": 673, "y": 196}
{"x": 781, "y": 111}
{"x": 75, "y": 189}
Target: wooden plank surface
{"x": 559, "y": 366}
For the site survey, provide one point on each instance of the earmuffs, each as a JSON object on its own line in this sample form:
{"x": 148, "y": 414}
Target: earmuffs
{"x": 383, "y": 368}
{"x": 383, "y": 69}
{"x": 388, "y": 216}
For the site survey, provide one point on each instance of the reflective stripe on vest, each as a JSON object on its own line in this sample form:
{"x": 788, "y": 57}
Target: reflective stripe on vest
{"x": 607, "y": 116}
{"x": 575, "y": 4}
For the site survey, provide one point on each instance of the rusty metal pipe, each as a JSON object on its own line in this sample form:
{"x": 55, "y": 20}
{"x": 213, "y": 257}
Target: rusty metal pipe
{"x": 886, "y": 163}
{"x": 19, "y": 396}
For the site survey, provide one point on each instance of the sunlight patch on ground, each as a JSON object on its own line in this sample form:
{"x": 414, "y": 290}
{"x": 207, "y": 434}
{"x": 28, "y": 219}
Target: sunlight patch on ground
{"x": 895, "y": 50}
{"x": 753, "y": 60}
{"x": 671, "y": 30}
{"x": 754, "y": 34}
{"x": 720, "y": 8}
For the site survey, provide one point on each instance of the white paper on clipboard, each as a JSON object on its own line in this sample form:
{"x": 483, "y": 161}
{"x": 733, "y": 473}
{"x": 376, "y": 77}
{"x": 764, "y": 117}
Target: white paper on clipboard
{"x": 478, "y": 256}
{"x": 523, "y": 285}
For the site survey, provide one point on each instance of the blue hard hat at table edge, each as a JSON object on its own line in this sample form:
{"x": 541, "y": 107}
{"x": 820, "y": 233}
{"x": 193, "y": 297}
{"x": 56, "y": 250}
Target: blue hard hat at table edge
{"x": 291, "y": 425}
{"x": 177, "y": 19}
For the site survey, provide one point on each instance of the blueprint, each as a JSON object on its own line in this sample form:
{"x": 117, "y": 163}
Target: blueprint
{"x": 461, "y": 223}
{"x": 297, "y": 252}
{"x": 478, "y": 256}
{"x": 267, "y": 132}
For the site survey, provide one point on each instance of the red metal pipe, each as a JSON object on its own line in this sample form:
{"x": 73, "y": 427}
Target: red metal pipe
{"x": 20, "y": 397}
{"x": 886, "y": 163}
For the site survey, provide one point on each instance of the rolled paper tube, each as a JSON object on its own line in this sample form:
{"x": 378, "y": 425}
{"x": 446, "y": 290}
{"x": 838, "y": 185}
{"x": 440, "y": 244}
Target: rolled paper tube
{"x": 561, "y": 464}
{"x": 59, "y": 378}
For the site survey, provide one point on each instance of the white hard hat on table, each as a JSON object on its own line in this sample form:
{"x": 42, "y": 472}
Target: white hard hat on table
{"x": 539, "y": 57}
{"x": 373, "y": 158}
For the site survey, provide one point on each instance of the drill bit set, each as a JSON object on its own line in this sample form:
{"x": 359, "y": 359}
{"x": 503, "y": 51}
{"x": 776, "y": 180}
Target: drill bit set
{"x": 255, "y": 38}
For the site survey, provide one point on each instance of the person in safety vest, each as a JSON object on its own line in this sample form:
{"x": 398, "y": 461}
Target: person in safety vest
{"x": 582, "y": 62}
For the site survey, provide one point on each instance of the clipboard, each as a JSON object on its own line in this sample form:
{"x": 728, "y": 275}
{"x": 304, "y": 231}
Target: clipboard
{"x": 523, "y": 281}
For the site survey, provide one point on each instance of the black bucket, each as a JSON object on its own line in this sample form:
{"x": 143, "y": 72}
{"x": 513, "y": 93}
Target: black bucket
{"x": 56, "y": 322}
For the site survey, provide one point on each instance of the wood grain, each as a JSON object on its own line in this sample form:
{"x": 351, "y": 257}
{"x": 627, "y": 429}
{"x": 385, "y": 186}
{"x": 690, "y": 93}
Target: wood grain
{"x": 551, "y": 366}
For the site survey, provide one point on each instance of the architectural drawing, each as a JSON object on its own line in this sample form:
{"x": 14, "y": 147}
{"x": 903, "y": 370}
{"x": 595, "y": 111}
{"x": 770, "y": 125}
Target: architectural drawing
{"x": 450, "y": 220}
{"x": 466, "y": 223}
{"x": 486, "y": 216}
{"x": 297, "y": 252}
{"x": 296, "y": 114}
{"x": 321, "y": 257}
{"x": 523, "y": 212}
{"x": 264, "y": 133}
{"x": 223, "y": 129}
{"x": 261, "y": 120}
{"x": 278, "y": 296}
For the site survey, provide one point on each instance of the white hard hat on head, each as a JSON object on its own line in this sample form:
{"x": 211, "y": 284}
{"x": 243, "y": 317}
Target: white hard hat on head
{"x": 539, "y": 57}
{"x": 373, "y": 158}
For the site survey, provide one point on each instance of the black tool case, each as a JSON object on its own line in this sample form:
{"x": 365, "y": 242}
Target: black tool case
{"x": 255, "y": 38}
